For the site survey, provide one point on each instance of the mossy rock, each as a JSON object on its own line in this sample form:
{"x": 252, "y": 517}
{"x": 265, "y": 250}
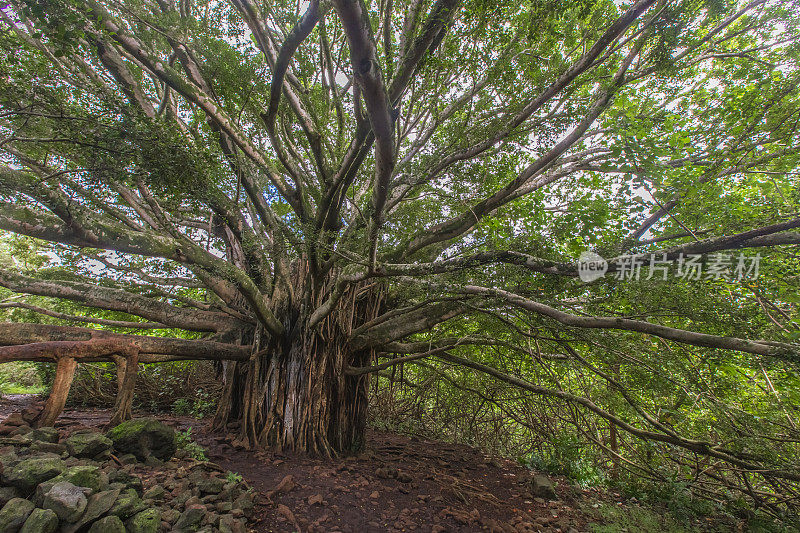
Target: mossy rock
{"x": 127, "y": 480}
{"x": 89, "y": 445}
{"x": 27, "y": 474}
{"x": 128, "y": 504}
{"x": 14, "y": 514}
{"x": 87, "y": 476}
{"x": 44, "y": 435}
{"x": 109, "y": 524}
{"x": 144, "y": 437}
{"x": 147, "y": 521}
{"x": 97, "y": 505}
{"x": 41, "y": 521}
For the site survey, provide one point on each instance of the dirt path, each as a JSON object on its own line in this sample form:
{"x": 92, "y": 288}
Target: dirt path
{"x": 397, "y": 484}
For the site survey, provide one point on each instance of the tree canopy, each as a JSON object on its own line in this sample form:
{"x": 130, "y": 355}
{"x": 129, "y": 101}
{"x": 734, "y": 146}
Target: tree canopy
{"x": 319, "y": 192}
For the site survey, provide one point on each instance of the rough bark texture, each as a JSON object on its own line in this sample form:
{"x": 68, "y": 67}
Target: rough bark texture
{"x": 294, "y": 393}
{"x": 127, "y": 368}
{"x": 65, "y": 372}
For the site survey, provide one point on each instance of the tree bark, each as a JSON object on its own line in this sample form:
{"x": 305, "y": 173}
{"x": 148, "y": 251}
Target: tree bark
{"x": 127, "y": 368}
{"x": 295, "y": 393}
{"x": 65, "y": 372}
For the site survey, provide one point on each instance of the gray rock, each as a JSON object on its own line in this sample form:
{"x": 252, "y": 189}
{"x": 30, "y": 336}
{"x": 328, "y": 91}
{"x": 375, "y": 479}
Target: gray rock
{"x": 245, "y": 504}
{"x": 109, "y": 524}
{"x": 44, "y": 435}
{"x": 84, "y": 476}
{"x": 229, "y": 524}
{"x": 128, "y": 504}
{"x": 191, "y": 518}
{"x": 16, "y": 440}
{"x": 7, "y": 494}
{"x": 30, "y": 472}
{"x": 67, "y": 500}
{"x": 40, "y": 521}
{"x": 96, "y": 506}
{"x": 8, "y": 458}
{"x": 127, "y": 459}
{"x": 14, "y": 514}
{"x": 144, "y": 437}
{"x": 211, "y": 485}
{"x": 147, "y": 521}
{"x": 156, "y": 492}
{"x": 542, "y": 487}
{"x": 170, "y": 515}
{"x": 88, "y": 444}
{"x": 48, "y": 447}
{"x": 151, "y": 460}
{"x": 128, "y": 480}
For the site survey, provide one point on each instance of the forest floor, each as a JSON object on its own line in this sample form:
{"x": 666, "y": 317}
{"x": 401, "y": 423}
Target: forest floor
{"x": 402, "y": 484}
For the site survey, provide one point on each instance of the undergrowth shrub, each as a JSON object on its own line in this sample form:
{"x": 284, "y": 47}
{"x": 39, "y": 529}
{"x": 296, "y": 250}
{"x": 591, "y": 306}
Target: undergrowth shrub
{"x": 185, "y": 443}
{"x": 192, "y": 385}
{"x": 20, "y": 378}
{"x": 564, "y": 455}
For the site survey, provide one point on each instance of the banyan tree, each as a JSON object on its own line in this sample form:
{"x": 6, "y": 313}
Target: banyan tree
{"x": 314, "y": 193}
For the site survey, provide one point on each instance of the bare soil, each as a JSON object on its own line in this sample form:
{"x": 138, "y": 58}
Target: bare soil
{"x": 396, "y": 484}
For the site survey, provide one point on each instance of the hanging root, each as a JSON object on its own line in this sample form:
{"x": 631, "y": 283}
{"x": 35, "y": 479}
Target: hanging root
{"x": 294, "y": 393}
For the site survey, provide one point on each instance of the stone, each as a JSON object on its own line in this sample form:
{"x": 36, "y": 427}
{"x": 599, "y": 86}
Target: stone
{"x": 229, "y": 524}
{"x": 30, "y": 472}
{"x": 127, "y": 459}
{"x": 128, "y": 504}
{"x": 170, "y": 515}
{"x": 13, "y": 515}
{"x": 144, "y": 437}
{"x": 67, "y": 500}
{"x": 88, "y": 444}
{"x": 156, "y": 492}
{"x": 181, "y": 498}
{"x": 15, "y": 440}
{"x": 7, "y": 494}
{"x": 40, "y": 521}
{"x": 127, "y": 480}
{"x": 96, "y": 506}
{"x": 245, "y": 504}
{"x": 109, "y": 524}
{"x": 21, "y": 430}
{"x": 191, "y": 518}
{"x": 47, "y": 447}
{"x": 87, "y": 476}
{"x": 44, "y": 435}
{"x": 193, "y": 500}
{"x": 147, "y": 521}
{"x": 14, "y": 419}
{"x": 32, "y": 412}
{"x": 211, "y": 485}
{"x": 542, "y": 487}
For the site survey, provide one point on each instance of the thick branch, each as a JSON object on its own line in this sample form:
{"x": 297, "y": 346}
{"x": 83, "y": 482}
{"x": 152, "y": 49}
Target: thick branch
{"x": 153, "y": 349}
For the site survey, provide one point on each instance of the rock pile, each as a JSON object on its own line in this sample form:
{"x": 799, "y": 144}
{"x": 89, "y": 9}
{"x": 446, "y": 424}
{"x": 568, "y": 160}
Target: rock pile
{"x": 124, "y": 481}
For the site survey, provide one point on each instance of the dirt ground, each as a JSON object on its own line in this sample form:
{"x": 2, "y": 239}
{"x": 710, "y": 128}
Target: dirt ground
{"x": 396, "y": 484}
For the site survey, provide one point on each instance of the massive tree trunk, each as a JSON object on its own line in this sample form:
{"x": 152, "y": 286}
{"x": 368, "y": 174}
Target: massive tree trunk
{"x": 294, "y": 393}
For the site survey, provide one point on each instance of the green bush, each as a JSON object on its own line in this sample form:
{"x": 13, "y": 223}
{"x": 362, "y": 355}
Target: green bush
{"x": 564, "y": 455}
{"x": 21, "y": 378}
{"x": 183, "y": 440}
{"x": 181, "y": 387}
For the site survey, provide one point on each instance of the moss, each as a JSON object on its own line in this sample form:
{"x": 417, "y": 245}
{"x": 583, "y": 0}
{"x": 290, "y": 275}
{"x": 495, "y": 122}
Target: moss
{"x": 82, "y": 476}
{"x": 147, "y": 521}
